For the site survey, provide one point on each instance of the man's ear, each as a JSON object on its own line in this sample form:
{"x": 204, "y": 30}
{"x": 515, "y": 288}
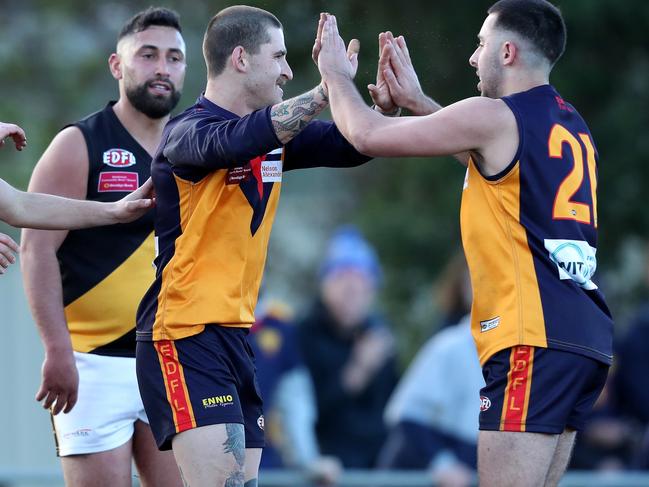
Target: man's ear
{"x": 509, "y": 53}
{"x": 239, "y": 59}
{"x": 115, "y": 65}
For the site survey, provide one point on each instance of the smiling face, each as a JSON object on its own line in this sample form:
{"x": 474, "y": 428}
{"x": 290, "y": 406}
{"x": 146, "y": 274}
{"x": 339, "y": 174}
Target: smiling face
{"x": 486, "y": 59}
{"x": 152, "y": 69}
{"x": 268, "y": 72}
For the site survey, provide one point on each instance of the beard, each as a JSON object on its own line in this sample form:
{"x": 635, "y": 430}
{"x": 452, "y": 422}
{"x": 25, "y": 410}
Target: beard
{"x": 153, "y": 106}
{"x": 492, "y": 80}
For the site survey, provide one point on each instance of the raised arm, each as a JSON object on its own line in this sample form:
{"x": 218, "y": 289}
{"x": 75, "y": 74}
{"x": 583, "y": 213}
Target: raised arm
{"x": 475, "y": 125}
{"x": 401, "y": 78}
{"x": 213, "y": 142}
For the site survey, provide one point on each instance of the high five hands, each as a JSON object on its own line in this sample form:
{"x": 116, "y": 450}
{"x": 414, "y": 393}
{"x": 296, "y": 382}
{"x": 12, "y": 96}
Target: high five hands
{"x": 397, "y": 84}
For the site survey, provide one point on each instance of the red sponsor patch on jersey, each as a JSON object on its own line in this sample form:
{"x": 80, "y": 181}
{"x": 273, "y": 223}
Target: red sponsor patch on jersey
{"x": 118, "y": 158}
{"x": 126, "y": 182}
{"x": 237, "y": 175}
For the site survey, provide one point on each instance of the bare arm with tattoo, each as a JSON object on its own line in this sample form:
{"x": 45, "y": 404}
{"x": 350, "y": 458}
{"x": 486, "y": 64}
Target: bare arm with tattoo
{"x": 290, "y": 117}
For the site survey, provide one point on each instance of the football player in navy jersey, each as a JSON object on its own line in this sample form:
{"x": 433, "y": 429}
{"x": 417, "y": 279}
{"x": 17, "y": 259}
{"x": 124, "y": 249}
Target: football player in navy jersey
{"x": 218, "y": 175}
{"x": 529, "y": 228}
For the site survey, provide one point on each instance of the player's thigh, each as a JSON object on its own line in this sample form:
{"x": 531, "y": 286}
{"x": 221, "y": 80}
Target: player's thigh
{"x": 110, "y": 468}
{"x": 514, "y": 459}
{"x": 535, "y": 393}
{"x": 155, "y": 468}
{"x": 212, "y": 455}
{"x": 561, "y": 458}
{"x": 251, "y": 466}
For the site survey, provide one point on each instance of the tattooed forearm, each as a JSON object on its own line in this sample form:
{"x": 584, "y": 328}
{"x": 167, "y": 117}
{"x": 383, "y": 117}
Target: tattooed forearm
{"x": 291, "y": 116}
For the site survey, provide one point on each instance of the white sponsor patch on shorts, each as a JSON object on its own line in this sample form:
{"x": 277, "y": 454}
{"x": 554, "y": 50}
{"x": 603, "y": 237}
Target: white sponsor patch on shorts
{"x": 487, "y": 325}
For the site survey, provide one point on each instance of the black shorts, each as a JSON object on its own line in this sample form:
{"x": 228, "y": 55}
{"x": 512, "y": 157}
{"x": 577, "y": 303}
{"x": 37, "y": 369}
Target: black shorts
{"x": 201, "y": 380}
{"x": 539, "y": 390}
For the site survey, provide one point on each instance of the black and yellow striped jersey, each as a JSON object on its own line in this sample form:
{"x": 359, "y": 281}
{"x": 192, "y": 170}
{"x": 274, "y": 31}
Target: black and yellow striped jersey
{"x": 106, "y": 270}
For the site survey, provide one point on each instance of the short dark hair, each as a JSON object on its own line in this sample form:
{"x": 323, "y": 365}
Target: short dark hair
{"x": 538, "y": 21}
{"x": 152, "y": 16}
{"x": 239, "y": 25}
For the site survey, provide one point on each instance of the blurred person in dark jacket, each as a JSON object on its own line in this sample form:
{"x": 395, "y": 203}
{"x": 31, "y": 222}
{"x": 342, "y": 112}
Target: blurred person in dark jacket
{"x": 631, "y": 376}
{"x": 289, "y": 397}
{"x": 349, "y": 351}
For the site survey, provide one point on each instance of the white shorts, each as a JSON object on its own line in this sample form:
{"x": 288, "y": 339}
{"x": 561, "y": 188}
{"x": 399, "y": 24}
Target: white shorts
{"x": 107, "y": 408}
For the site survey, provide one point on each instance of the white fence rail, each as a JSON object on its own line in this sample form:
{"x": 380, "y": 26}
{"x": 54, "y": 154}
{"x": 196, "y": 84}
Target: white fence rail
{"x": 352, "y": 478}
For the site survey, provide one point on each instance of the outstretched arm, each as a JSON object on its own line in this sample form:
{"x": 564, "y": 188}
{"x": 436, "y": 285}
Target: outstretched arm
{"x": 403, "y": 83}
{"x": 473, "y": 125}
{"x": 290, "y": 117}
{"x": 214, "y": 143}
{"x": 48, "y": 212}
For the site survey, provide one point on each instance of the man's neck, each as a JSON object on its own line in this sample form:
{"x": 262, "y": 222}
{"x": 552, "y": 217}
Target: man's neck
{"x": 228, "y": 94}
{"x": 519, "y": 82}
{"x": 145, "y": 130}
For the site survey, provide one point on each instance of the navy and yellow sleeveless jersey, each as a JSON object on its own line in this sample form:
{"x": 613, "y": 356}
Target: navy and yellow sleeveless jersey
{"x": 106, "y": 270}
{"x": 530, "y": 237}
{"x": 217, "y": 179}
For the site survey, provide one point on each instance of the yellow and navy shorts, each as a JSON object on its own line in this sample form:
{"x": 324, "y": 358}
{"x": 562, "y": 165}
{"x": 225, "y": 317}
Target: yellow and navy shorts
{"x": 539, "y": 390}
{"x": 201, "y": 380}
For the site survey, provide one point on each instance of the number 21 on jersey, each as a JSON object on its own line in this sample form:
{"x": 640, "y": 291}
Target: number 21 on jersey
{"x": 564, "y": 207}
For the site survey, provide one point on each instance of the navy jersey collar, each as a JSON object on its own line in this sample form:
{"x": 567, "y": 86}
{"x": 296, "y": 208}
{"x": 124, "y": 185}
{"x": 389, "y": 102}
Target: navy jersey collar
{"x": 212, "y": 107}
{"x": 537, "y": 89}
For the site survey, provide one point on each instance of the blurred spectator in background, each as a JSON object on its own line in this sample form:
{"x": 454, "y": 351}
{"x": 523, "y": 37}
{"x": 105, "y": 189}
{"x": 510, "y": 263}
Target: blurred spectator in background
{"x": 433, "y": 414}
{"x": 349, "y": 351}
{"x": 289, "y": 402}
{"x": 617, "y": 437}
{"x": 609, "y": 441}
{"x": 631, "y": 377}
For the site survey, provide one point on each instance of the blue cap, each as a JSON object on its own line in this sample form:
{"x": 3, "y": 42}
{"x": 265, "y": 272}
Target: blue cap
{"x": 347, "y": 249}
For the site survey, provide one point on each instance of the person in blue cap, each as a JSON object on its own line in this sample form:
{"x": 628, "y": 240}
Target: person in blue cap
{"x": 349, "y": 351}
